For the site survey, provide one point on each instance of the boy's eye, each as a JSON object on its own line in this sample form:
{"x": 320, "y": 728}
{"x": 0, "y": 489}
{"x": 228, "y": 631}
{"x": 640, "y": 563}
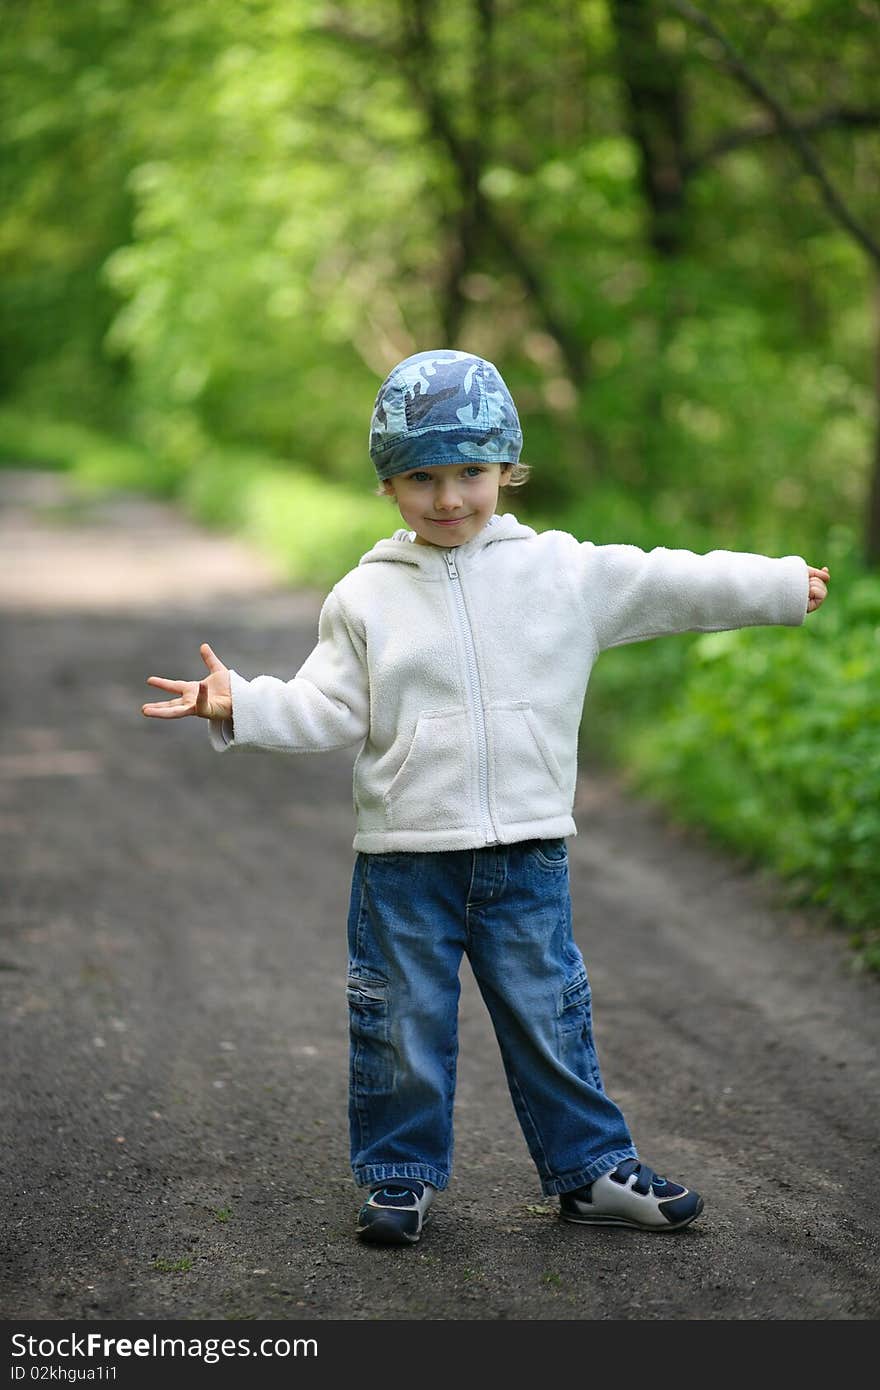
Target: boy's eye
{"x": 472, "y": 470}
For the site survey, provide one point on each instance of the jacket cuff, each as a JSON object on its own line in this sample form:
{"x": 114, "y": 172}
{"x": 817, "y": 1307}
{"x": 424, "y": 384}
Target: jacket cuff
{"x": 222, "y": 731}
{"x": 796, "y": 591}
{"x": 221, "y": 734}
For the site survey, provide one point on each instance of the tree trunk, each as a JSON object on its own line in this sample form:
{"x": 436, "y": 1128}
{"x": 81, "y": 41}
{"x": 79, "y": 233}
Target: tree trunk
{"x": 474, "y": 151}
{"x": 651, "y": 75}
{"x": 478, "y": 222}
{"x": 872, "y": 527}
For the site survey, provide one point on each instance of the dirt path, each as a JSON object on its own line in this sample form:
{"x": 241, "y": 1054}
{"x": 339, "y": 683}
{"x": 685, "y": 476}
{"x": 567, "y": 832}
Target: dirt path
{"x": 172, "y": 968}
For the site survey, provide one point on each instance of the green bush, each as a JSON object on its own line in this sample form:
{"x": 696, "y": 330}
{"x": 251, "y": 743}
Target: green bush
{"x": 317, "y": 531}
{"x": 771, "y": 738}
{"x": 96, "y": 460}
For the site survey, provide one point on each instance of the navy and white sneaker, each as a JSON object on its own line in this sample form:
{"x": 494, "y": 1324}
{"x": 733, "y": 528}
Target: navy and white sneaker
{"x": 395, "y": 1212}
{"x": 632, "y": 1195}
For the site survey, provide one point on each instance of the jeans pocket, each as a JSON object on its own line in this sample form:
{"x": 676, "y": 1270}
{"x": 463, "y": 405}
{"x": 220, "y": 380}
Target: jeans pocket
{"x": 573, "y": 1004}
{"x": 550, "y": 854}
{"x": 372, "y": 1055}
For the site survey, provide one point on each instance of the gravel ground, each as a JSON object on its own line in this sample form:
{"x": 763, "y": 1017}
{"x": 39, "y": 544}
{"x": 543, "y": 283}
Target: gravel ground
{"x": 172, "y": 968}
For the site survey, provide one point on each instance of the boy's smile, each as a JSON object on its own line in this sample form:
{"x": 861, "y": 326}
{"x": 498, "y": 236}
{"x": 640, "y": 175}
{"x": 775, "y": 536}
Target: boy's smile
{"x": 448, "y": 504}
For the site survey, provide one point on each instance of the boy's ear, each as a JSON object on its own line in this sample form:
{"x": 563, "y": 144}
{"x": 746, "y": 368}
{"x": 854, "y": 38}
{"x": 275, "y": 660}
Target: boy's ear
{"x": 504, "y": 476}
{"x": 388, "y": 487}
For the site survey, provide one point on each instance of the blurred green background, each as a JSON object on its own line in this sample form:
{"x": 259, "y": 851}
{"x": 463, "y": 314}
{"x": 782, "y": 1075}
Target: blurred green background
{"x": 224, "y": 221}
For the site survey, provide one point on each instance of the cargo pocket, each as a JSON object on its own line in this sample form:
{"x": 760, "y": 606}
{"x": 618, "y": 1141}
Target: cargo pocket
{"x": 371, "y": 1052}
{"x": 529, "y": 784}
{"x": 432, "y": 785}
{"x": 575, "y": 1031}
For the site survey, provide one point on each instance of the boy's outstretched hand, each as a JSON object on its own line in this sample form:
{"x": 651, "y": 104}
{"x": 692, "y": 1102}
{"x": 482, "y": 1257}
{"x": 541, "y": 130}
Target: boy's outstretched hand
{"x": 818, "y": 587}
{"x": 210, "y": 698}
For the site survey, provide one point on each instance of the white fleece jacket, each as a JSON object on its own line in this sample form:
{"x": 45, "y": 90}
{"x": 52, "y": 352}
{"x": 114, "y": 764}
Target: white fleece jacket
{"x": 462, "y": 672}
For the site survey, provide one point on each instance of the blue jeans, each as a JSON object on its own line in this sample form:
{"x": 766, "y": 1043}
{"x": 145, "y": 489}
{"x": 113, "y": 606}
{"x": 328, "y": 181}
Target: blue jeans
{"x": 412, "y": 917}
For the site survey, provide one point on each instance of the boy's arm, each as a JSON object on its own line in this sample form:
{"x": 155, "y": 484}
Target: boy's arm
{"x": 632, "y": 594}
{"x": 325, "y": 706}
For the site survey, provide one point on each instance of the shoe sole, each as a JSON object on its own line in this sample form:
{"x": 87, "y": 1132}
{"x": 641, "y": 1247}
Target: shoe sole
{"x": 631, "y": 1225}
{"x": 381, "y": 1232}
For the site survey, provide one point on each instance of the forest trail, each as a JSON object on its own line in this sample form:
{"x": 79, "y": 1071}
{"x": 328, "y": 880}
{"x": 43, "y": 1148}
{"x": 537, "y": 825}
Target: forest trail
{"x": 172, "y": 979}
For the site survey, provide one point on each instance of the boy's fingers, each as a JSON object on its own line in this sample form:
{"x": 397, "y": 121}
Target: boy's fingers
{"x": 210, "y": 658}
{"x": 175, "y": 686}
{"x": 169, "y": 709}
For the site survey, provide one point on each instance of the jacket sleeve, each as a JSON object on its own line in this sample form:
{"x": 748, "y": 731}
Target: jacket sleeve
{"x": 633, "y": 594}
{"x": 325, "y": 706}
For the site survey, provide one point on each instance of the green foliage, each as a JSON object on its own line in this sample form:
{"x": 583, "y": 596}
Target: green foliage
{"x": 96, "y": 459}
{"x": 314, "y": 530}
{"x": 771, "y": 738}
{"x": 224, "y": 221}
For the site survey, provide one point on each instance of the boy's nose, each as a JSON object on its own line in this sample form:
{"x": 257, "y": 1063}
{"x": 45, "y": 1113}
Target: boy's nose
{"x": 447, "y": 498}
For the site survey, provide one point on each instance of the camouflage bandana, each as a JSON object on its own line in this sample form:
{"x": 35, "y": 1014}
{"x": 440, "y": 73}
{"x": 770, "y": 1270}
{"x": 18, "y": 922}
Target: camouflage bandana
{"x": 443, "y": 407}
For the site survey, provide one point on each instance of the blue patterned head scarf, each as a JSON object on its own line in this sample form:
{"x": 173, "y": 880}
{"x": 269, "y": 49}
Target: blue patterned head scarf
{"x": 443, "y": 407}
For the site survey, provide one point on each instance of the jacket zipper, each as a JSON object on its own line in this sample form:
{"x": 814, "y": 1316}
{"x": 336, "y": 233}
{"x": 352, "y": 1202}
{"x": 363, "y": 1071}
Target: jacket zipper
{"x": 476, "y": 695}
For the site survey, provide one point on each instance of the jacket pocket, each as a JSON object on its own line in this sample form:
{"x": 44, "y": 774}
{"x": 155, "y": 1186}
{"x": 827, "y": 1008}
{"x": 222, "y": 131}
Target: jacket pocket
{"x": 432, "y": 786}
{"x": 528, "y": 781}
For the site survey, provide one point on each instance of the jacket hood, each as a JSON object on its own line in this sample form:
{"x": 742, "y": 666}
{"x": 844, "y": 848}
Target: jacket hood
{"x": 401, "y": 548}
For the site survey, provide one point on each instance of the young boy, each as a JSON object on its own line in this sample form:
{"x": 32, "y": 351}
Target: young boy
{"x": 457, "y": 655}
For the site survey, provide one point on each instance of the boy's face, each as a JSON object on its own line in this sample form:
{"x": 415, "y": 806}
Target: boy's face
{"x": 448, "y": 504}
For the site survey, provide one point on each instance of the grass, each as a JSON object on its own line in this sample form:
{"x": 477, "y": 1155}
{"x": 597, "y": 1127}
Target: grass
{"x": 179, "y": 1266}
{"x": 95, "y": 460}
{"x": 314, "y": 531}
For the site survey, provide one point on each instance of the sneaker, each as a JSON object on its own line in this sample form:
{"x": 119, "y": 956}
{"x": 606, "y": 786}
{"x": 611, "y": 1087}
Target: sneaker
{"x": 395, "y": 1212}
{"x": 632, "y": 1195}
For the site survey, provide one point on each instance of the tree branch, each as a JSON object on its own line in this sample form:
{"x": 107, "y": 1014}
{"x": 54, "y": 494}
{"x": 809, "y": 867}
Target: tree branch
{"x": 413, "y": 54}
{"x": 415, "y": 60}
{"x": 785, "y": 123}
{"x": 833, "y": 118}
